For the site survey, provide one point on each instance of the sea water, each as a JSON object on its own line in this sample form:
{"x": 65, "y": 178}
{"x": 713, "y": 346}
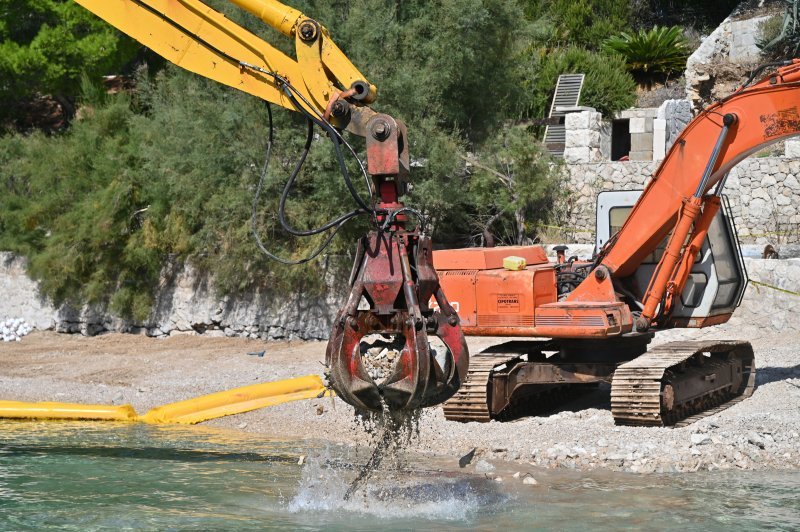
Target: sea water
{"x": 89, "y": 476}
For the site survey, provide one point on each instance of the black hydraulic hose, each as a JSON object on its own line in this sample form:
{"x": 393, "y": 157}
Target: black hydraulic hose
{"x": 335, "y": 138}
{"x": 760, "y": 69}
{"x": 290, "y": 183}
{"x": 254, "y": 214}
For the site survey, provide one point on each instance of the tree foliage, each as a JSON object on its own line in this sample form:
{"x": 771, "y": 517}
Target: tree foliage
{"x": 588, "y": 23}
{"x": 47, "y": 45}
{"x": 514, "y": 183}
{"x": 166, "y": 174}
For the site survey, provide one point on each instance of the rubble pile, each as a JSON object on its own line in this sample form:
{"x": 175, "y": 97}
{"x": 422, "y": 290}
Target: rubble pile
{"x": 13, "y": 329}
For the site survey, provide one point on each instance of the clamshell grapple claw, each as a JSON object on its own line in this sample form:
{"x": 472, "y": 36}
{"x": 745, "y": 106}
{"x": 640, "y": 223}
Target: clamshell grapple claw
{"x": 393, "y": 280}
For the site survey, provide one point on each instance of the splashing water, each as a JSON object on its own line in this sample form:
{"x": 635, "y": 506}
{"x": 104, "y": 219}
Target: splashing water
{"x": 385, "y": 485}
{"x": 326, "y": 486}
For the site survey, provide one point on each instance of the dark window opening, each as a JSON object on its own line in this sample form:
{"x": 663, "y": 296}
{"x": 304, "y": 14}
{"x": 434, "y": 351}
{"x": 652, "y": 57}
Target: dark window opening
{"x": 620, "y": 138}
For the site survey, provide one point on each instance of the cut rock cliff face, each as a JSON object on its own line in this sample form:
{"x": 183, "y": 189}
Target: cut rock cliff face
{"x": 725, "y": 58}
{"x": 185, "y": 304}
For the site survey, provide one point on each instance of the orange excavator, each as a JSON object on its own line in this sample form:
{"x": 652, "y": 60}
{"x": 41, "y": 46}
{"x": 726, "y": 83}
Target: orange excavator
{"x": 670, "y": 261}
{"x": 668, "y": 258}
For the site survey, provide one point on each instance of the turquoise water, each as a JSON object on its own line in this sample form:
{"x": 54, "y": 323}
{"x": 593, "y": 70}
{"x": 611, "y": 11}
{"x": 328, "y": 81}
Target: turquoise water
{"x": 81, "y": 476}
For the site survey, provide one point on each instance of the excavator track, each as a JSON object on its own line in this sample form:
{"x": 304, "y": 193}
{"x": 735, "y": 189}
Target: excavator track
{"x": 679, "y": 383}
{"x": 471, "y": 402}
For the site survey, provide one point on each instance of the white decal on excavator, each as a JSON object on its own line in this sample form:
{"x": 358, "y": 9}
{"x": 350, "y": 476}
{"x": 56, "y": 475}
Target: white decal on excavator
{"x": 435, "y": 306}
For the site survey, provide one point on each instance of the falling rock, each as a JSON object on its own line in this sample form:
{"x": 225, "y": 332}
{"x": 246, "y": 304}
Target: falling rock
{"x": 467, "y": 458}
{"x": 529, "y": 480}
{"x": 700, "y": 439}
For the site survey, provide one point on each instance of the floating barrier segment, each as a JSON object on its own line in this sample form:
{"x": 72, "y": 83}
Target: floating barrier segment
{"x": 190, "y": 411}
{"x": 46, "y": 410}
{"x": 236, "y": 401}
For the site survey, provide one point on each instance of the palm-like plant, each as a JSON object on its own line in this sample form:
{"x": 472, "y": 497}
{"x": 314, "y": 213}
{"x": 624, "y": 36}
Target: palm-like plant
{"x": 651, "y": 55}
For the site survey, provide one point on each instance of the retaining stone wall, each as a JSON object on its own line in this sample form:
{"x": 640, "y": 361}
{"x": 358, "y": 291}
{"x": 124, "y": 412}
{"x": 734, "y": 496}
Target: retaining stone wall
{"x": 186, "y": 304}
{"x": 764, "y": 194}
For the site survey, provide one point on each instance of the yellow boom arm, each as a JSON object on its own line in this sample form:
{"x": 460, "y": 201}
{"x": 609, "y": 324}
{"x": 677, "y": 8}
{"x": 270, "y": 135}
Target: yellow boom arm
{"x": 194, "y": 36}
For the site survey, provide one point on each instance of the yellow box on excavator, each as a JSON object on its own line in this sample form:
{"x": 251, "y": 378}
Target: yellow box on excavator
{"x": 514, "y": 263}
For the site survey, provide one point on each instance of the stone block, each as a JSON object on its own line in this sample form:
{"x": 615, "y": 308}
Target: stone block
{"x": 577, "y": 154}
{"x": 642, "y": 142}
{"x": 583, "y": 120}
{"x": 581, "y": 138}
{"x": 645, "y": 155}
{"x": 639, "y": 112}
{"x": 792, "y": 147}
{"x": 659, "y": 139}
{"x": 745, "y": 35}
{"x": 641, "y": 125}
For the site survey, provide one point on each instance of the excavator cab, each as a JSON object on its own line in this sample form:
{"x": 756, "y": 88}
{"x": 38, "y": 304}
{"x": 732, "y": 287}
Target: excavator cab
{"x": 718, "y": 278}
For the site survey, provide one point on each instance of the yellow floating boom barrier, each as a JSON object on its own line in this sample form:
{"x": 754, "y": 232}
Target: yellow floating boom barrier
{"x": 47, "y": 410}
{"x": 190, "y": 411}
{"x": 236, "y": 401}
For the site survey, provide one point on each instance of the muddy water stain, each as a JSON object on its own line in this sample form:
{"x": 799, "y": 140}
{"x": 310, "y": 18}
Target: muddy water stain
{"x": 78, "y": 476}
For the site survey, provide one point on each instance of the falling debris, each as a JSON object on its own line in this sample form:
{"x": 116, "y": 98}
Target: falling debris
{"x": 465, "y": 460}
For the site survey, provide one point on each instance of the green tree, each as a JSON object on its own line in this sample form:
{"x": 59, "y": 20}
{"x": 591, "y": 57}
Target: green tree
{"x": 514, "y": 184}
{"x": 47, "y": 45}
{"x": 586, "y": 23}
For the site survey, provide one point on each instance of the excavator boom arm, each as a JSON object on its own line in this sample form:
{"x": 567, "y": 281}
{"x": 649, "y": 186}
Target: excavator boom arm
{"x": 198, "y": 38}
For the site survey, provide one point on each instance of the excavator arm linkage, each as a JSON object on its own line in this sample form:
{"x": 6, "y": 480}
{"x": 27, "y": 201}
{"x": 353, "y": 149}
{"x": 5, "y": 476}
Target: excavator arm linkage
{"x": 394, "y": 277}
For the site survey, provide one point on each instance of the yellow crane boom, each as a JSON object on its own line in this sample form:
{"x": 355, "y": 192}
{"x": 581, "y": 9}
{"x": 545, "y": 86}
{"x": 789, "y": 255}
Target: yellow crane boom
{"x": 202, "y": 40}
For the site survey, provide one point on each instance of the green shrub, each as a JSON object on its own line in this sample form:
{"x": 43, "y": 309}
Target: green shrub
{"x": 587, "y": 23}
{"x": 651, "y": 55}
{"x": 780, "y": 35}
{"x": 607, "y": 86}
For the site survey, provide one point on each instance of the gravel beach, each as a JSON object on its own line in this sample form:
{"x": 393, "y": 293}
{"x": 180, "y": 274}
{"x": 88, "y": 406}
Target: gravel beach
{"x": 760, "y": 433}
